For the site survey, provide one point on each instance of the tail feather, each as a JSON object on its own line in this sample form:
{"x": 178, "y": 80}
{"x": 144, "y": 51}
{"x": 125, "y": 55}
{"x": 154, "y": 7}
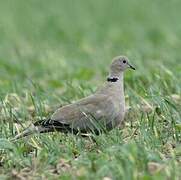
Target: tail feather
{"x": 29, "y": 131}
{"x": 43, "y": 126}
{"x": 48, "y": 125}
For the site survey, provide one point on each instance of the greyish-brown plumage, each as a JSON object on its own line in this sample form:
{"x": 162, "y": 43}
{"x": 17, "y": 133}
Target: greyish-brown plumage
{"x": 104, "y": 109}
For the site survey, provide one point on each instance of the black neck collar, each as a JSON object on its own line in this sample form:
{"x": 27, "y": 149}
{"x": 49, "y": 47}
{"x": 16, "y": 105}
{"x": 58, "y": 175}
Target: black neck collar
{"x": 112, "y": 79}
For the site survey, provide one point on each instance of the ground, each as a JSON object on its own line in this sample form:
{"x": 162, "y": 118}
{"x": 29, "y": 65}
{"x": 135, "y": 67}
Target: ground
{"x": 55, "y": 52}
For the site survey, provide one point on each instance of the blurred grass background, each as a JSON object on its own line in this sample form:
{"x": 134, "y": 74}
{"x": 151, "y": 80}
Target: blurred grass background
{"x": 54, "y": 52}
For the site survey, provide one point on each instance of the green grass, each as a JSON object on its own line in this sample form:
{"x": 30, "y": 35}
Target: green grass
{"x": 55, "y": 52}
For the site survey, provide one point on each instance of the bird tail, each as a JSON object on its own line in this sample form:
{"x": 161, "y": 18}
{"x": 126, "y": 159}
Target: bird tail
{"x": 32, "y": 129}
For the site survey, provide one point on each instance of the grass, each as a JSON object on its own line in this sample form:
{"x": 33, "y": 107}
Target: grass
{"x": 55, "y": 52}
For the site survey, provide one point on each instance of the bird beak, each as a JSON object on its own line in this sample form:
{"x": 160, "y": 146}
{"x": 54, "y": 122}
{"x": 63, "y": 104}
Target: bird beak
{"x": 131, "y": 67}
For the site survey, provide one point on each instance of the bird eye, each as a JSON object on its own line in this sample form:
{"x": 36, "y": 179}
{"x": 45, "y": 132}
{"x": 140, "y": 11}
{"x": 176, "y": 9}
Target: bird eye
{"x": 124, "y": 61}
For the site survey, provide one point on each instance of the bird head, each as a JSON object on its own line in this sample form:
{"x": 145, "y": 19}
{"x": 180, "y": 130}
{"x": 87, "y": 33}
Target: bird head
{"x": 119, "y": 64}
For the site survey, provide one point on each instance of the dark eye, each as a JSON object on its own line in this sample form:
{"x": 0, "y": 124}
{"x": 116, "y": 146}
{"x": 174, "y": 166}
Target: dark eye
{"x": 124, "y": 61}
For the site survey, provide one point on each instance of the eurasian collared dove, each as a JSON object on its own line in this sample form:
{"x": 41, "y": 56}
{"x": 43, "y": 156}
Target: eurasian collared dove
{"x": 105, "y": 109}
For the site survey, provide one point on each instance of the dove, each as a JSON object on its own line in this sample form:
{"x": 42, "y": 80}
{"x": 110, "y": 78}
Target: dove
{"x": 103, "y": 110}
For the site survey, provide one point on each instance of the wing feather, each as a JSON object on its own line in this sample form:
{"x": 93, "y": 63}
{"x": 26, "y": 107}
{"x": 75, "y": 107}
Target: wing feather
{"x": 80, "y": 115}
